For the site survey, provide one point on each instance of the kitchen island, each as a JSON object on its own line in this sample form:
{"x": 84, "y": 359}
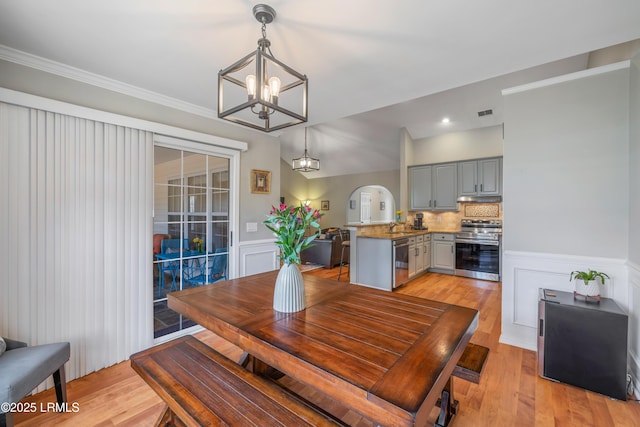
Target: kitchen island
{"x": 386, "y": 258}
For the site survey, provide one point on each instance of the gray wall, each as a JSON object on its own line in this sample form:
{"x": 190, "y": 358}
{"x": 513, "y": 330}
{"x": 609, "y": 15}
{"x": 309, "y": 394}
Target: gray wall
{"x": 634, "y": 161}
{"x": 454, "y": 146}
{"x": 566, "y": 167}
{"x": 293, "y": 185}
{"x": 263, "y": 150}
{"x": 335, "y": 189}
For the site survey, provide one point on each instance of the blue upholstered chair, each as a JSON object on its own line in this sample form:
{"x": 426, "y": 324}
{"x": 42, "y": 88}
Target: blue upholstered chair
{"x": 198, "y": 273}
{"x": 23, "y": 368}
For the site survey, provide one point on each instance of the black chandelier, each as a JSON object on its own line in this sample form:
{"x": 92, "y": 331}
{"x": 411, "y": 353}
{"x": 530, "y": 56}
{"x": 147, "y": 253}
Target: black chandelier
{"x": 305, "y": 163}
{"x": 260, "y": 91}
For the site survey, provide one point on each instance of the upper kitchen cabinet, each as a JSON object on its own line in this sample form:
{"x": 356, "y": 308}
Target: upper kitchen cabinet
{"x": 433, "y": 187}
{"x": 480, "y": 177}
{"x": 420, "y": 188}
{"x": 445, "y": 187}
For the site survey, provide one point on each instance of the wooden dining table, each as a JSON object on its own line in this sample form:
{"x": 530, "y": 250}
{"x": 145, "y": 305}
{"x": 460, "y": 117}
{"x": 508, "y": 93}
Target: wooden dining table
{"x": 386, "y": 355}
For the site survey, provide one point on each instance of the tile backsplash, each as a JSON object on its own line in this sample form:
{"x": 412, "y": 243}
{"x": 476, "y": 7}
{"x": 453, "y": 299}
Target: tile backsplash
{"x": 481, "y": 210}
{"x": 450, "y": 221}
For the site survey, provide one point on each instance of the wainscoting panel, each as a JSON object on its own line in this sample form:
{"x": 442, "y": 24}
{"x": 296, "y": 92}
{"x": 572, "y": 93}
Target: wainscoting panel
{"x": 258, "y": 256}
{"x": 527, "y": 285}
{"x": 524, "y": 273}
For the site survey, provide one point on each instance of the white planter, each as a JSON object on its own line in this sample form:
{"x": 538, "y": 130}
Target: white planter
{"x": 591, "y": 289}
{"x": 288, "y": 295}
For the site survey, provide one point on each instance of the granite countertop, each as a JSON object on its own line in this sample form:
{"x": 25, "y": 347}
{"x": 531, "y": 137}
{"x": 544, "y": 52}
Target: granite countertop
{"x": 400, "y": 234}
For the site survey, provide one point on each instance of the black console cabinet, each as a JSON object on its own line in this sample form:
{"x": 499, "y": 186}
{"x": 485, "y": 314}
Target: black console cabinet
{"x": 583, "y": 343}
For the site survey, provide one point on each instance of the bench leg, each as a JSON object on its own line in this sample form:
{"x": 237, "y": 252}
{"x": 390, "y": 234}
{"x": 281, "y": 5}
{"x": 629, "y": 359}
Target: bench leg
{"x": 6, "y": 420}
{"x": 448, "y": 405}
{"x": 168, "y": 419}
{"x": 60, "y": 381}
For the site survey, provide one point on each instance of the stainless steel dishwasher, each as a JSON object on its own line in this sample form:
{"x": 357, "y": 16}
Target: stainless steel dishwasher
{"x": 400, "y": 262}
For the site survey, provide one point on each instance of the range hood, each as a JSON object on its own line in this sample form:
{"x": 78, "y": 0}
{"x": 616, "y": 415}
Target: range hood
{"x": 480, "y": 199}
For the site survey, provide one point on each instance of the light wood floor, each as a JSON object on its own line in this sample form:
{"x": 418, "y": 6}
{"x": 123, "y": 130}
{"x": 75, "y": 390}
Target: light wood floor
{"x": 510, "y": 392}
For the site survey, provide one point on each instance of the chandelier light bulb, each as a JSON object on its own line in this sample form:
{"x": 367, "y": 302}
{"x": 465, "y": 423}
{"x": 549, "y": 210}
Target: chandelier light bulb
{"x": 266, "y": 93}
{"x": 274, "y": 86}
{"x": 251, "y": 85}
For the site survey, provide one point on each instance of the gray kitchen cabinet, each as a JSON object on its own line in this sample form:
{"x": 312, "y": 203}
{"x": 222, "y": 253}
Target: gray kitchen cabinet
{"x": 387, "y": 263}
{"x": 420, "y": 188}
{"x": 442, "y": 255}
{"x": 481, "y": 177}
{"x": 412, "y": 258}
{"x": 375, "y": 263}
{"x": 445, "y": 187}
{"x": 417, "y": 254}
{"x": 426, "y": 252}
{"x": 433, "y": 187}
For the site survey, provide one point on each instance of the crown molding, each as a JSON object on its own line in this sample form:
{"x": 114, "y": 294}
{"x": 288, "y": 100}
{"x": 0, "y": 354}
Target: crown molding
{"x": 568, "y": 77}
{"x": 77, "y": 74}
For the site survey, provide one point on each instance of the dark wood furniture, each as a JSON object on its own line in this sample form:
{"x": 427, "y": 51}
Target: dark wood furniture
{"x": 327, "y": 251}
{"x": 202, "y": 387}
{"x": 385, "y": 355}
{"x": 471, "y": 363}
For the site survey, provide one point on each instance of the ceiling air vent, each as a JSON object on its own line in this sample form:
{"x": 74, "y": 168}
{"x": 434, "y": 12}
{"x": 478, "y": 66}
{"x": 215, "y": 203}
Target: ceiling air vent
{"x": 485, "y": 113}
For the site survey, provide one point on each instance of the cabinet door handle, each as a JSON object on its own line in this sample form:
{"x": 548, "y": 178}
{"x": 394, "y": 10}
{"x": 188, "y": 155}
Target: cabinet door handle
{"x": 475, "y": 188}
{"x": 481, "y": 188}
{"x": 434, "y": 203}
{"x": 429, "y": 202}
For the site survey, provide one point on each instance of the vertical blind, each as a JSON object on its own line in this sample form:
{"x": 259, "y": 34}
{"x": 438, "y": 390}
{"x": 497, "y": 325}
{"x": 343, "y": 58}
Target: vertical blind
{"x": 75, "y": 223}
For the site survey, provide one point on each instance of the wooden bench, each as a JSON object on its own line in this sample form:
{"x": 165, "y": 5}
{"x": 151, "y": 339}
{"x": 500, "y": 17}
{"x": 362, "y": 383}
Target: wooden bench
{"x": 469, "y": 367}
{"x": 202, "y": 387}
{"x": 471, "y": 363}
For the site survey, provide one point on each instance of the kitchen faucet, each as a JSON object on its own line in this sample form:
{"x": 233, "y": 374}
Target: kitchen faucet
{"x": 392, "y": 226}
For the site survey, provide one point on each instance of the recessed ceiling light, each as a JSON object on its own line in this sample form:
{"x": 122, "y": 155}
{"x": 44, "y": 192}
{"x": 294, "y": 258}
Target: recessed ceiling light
{"x": 446, "y": 120}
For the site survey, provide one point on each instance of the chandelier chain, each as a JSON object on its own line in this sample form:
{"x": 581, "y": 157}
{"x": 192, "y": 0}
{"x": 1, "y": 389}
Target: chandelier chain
{"x": 264, "y": 36}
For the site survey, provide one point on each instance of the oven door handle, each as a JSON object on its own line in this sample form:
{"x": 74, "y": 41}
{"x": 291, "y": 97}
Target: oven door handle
{"x": 479, "y": 242}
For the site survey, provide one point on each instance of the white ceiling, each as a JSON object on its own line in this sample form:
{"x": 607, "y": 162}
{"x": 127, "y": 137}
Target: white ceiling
{"x": 374, "y": 66}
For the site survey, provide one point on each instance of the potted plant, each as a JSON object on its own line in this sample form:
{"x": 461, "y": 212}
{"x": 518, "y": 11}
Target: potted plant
{"x": 586, "y": 282}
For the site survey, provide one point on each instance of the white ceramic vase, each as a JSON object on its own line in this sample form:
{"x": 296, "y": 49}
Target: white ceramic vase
{"x": 591, "y": 289}
{"x": 288, "y": 295}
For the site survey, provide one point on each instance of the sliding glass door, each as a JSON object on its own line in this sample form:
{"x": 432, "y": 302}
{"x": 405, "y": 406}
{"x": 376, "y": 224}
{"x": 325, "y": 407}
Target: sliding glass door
{"x": 191, "y": 227}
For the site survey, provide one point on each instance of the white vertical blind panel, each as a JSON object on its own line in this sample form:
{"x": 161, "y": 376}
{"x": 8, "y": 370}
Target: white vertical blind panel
{"x": 75, "y": 252}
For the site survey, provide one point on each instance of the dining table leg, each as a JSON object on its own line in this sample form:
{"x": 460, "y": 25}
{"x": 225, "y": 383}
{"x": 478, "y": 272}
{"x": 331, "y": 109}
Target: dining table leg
{"x": 448, "y": 405}
{"x": 258, "y": 367}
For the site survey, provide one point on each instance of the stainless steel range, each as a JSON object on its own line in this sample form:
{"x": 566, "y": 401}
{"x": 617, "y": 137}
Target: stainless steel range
{"x": 478, "y": 253}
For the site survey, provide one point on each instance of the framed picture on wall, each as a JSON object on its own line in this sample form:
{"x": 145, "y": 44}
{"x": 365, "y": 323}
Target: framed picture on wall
{"x": 260, "y": 181}
{"x": 324, "y": 205}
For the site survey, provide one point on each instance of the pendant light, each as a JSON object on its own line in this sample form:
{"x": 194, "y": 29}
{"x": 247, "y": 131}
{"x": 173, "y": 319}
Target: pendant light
{"x": 260, "y": 91}
{"x": 305, "y": 163}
